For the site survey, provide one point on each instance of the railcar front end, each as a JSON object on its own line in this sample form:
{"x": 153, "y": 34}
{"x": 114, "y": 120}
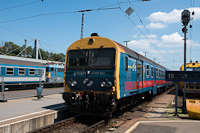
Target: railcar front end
{"x": 90, "y": 76}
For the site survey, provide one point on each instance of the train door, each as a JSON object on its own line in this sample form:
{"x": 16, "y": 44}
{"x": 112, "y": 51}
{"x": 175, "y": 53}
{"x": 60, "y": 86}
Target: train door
{"x": 155, "y": 73}
{"x": 55, "y": 74}
{"x": 139, "y": 74}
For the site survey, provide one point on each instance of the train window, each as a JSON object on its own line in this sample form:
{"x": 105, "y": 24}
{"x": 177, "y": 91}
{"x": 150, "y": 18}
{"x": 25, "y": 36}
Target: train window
{"x": 147, "y": 71}
{"x": 9, "y": 71}
{"x": 152, "y": 71}
{"x": 103, "y": 57}
{"x": 60, "y": 70}
{"x": 52, "y": 69}
{"x": 21, "y": 71}
{"x": 157, "y": 72}
{"x": 42, "y": 71}
{"x": 126, "y": 64}
{"x": 39, "y": 72}
{"x": 78, "y": 58}
{"x": 47, "y": 69}
{"x": 159, "y": 75}
{"x": 139, "y": 69}
{"x": 31, "y": 71}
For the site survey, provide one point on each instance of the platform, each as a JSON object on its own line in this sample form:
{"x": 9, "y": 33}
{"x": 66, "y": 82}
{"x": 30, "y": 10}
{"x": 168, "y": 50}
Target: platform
{"x": 160, "y": 118}
{"x": 27, "y": 114}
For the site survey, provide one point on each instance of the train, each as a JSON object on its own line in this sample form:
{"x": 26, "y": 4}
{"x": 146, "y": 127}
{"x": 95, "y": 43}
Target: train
{"x": 24, "y": 72}
{"x": 102, "y": 76}
{"x": 191, "y": 66}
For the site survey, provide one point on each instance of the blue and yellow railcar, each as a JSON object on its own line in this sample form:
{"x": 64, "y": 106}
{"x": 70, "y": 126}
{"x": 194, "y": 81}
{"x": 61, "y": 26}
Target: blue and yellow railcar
{"x": 101, "y": 75}
{"x": 192, "y": 66}
{"x": 54, "y": 73}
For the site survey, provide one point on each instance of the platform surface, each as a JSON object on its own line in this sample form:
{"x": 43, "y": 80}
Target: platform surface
{"x": 18, "y": 107}
{"x": 161, "y": 119}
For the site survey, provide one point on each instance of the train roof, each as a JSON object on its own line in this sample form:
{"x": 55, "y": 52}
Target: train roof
{"x": 5, "y": 59}
{"x": 98, "y": 42}
{"x": 135, "y": 54}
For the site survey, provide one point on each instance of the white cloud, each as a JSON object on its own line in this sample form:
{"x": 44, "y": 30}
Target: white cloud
{"x": 156, "y": 26}
{"x": 173, "y": 16}
{"x": 167, "y": 44}
{"x": 149, "y": 36}
{"x": 173, "y": 40}
{"x": 139, "y": 44}
{"x": 140, "y": 26}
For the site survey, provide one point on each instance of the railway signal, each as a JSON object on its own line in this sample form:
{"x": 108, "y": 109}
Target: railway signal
{"x": 185, "y": 19}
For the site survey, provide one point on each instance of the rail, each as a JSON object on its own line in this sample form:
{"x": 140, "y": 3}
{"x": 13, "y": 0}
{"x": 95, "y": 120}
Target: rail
{"x": 94, "y": 127}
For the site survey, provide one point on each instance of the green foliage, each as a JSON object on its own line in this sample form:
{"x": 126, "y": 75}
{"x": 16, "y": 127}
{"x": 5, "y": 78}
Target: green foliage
{"x": 12, "y": 49}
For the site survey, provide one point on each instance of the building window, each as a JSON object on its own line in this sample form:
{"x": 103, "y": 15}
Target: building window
{"x": 21, "y": 71}
{"x": 9, "y": 71}
{"x": 31, "y": 71}
{"x": 147, "y": 71}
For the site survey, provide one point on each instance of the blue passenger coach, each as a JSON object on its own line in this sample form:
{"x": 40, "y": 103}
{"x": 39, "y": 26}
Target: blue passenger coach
{"x": 21, "y": 70}
{"x": 24, "y": 71}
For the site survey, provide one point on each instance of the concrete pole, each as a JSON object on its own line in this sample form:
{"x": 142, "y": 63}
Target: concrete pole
{"x": 145, "y": 53}
{"x": 82, "y": 23}
{"x": 25, "y": 49}
{"x": 36, "y": 49}
{"x": 126, "y": 43}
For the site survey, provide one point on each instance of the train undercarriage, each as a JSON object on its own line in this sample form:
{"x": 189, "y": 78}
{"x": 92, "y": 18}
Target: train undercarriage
{"x": 102, "y": 104}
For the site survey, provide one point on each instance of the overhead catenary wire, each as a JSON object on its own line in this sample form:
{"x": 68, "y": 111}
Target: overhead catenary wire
{"x": 145, "y": 28}
{"x": 33, "y": 16}
{"x": 24, "y": 48}
{"x": 142, "y": 32}
{"x": 58, "y": 13}
{"x": 19, "y": 5}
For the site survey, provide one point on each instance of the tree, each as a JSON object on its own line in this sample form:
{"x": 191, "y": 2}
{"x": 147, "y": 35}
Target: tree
{"x": 10, "y": 48}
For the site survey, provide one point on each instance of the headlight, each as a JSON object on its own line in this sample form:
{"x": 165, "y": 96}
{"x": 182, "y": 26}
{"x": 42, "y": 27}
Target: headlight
{"x": 71, "y": 83}
{"x": 108, "y": 84}
{"x": 103, "y": 84}
{"x": 74, "y": 83}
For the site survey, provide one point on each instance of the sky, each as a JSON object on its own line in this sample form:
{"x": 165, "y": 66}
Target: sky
{"x": 154, "y": 27}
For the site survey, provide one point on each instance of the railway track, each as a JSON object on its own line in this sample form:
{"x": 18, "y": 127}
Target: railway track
{"x": 86, "y": 124}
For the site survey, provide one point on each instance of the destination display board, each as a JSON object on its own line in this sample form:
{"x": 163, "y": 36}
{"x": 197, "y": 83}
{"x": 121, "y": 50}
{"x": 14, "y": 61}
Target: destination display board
{"x": 186, "y": 76}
